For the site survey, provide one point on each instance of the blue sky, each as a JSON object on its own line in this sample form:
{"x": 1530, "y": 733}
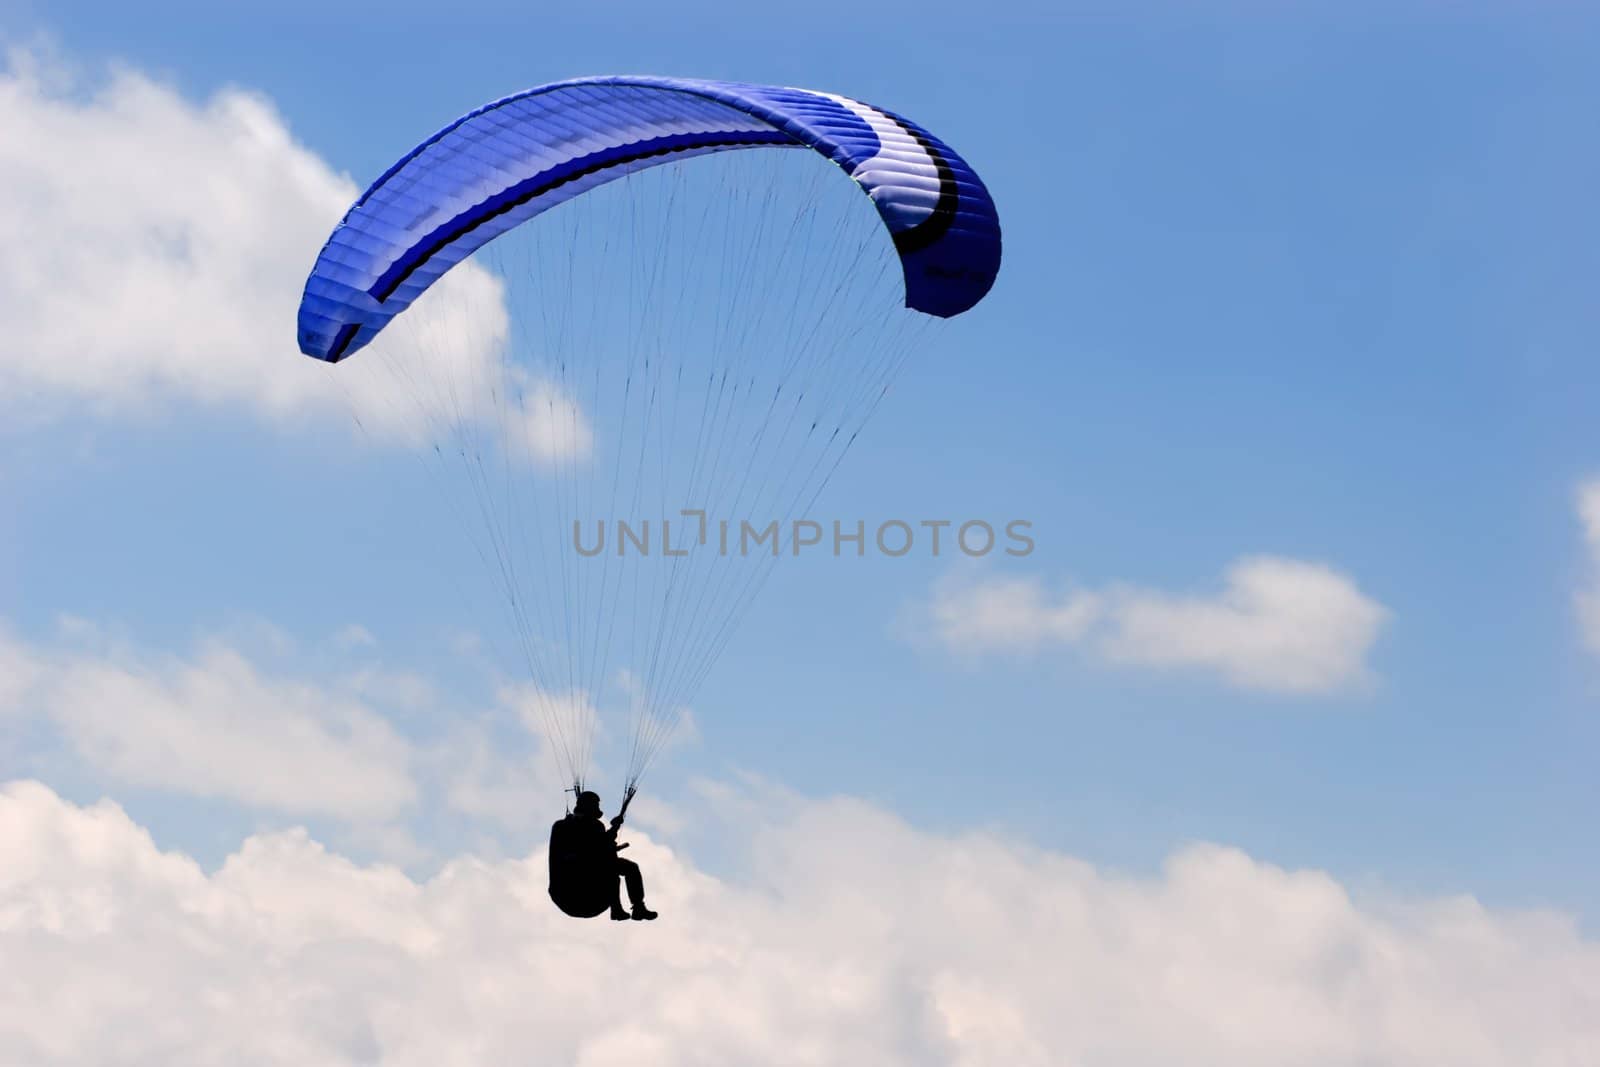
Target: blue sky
{"x": 1312, "y": 284}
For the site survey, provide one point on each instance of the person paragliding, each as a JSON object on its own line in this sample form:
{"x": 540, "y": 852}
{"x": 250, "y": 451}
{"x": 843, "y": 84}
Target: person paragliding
{"x": 585, "y": 870}
{"x": 701, "y": 327}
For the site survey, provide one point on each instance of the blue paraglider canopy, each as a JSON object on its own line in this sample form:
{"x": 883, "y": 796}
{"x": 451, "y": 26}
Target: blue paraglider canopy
{"x": 518, "y": 157}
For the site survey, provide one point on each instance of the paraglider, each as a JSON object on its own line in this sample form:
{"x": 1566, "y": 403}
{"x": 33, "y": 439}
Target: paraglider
{"x": 701, "y": 327}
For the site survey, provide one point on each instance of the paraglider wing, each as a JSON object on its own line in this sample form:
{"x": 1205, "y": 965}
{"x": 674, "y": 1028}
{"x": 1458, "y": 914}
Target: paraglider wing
{"x": 516, "y": 158}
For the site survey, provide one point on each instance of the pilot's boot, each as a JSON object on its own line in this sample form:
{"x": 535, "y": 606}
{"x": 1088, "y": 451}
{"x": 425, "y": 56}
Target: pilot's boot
{"x": 641, "y": 912}
{"x": 618, "y": 914}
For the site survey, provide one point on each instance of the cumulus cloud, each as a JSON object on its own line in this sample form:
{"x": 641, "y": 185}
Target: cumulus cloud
{"x": 1588, "y": 597}
{"x": 214, "y": 725}
{"x": 855, "y": 939}
{"x": 152, "y": 252}
{"x": 1277, "y": 624}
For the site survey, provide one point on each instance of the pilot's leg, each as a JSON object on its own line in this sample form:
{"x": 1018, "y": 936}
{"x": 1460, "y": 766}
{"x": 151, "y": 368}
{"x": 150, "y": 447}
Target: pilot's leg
{"x": 629, "y": 871}
{"x": 617, "y": 910}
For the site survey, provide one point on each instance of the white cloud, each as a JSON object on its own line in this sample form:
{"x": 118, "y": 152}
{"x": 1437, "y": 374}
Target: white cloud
{"x": 857, "y": 939}
{"x": 214, "y": 725}
{"x": 568, "y": 721}
{"x": 353, "y": 636}
{"x": 19, "y": 672}
{"x": 551, "y": 425}
{"x": 484, "y": 781}
{"x": 252, "y": 719}
{"x": 1011, "y": 614}
{"x": 1588, "y": 597}
{"x": 152, "y": 253}
{"x": 1277, "y": 624}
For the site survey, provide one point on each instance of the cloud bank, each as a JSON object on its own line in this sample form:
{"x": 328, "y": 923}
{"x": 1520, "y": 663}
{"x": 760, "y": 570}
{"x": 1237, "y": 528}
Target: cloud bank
{"x": 248, "y": 718}
{"x": 1277, "y": 624}
{"x": 856, "y": 939}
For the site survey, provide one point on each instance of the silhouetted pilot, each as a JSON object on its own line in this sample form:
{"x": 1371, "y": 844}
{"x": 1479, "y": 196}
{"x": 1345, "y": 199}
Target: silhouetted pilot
{"x": 584, "y": 865}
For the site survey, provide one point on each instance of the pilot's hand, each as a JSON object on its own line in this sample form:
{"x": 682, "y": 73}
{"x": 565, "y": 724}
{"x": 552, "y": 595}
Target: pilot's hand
{"x": 617, "y": 822}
